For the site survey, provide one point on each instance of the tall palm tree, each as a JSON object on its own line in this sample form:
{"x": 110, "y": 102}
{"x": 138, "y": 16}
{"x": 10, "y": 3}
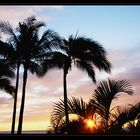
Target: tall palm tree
{"x": 85, "y": 54}
{"x": 10, "y": 54}
{"x": 33, "y": 49}
{"x": 30, "y": 49}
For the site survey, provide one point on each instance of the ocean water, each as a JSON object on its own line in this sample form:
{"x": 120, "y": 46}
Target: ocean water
{"x": 27, "y": 132}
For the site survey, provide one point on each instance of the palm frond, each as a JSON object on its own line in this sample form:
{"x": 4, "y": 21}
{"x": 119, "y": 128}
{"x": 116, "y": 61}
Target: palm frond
{"x": 5, "y": 27}
{"x": 7, "y": 51}
{"x": 87, "y": 49}
{"x": 126, "y": 115}
{"x": 5, "y": 85}
{"x": 75, "y": 106}
{"x": 106, "y": 91}
{"x": 51, "y": 40}
{"x": 86, "y": 67}
{"x": 58, "y": 112}
{"x": 134, "y": 111}
{"x": 124, "y": 86}
{"x": 85, "y": 44}
{"x": 6, "y": 70}
{"x": 34, "y": 67}
{"x": 52, "y": 60}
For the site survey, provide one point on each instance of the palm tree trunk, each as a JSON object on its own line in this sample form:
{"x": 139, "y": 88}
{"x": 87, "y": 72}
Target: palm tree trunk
{"x": 106, "y": 122}
{"x": 22, "y": 101}
{"x": 15, "y": 101}
{"x": 65, "y": 99}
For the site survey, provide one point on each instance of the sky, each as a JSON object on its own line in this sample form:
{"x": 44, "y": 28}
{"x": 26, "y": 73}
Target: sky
{"x": 116, "y": 28}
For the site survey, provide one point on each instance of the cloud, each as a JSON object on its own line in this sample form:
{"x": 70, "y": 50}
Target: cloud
{"x": 16, "y": 14}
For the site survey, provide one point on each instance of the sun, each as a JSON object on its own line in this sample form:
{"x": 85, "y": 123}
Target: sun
{"x": 90, "y": 123}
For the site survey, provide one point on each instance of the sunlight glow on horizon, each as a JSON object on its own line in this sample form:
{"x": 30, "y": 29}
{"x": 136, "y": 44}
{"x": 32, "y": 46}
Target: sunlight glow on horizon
{"x": 28, "y": 125}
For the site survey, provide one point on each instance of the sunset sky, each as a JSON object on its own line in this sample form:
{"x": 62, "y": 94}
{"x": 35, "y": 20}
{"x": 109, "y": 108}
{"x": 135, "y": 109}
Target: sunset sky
{"x": 116, "y": 28}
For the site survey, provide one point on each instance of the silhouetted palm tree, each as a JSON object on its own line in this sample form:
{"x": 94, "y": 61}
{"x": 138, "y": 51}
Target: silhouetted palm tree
{"x": 30, "y": 49}
{"x": 84, "y": 53}
{"x": 11, "y": 55}
{"x": 104, "y": 94}
{"x": 33, "y": 50}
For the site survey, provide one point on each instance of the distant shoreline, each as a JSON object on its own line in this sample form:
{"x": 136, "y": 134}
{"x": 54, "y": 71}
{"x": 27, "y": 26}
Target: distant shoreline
{"x": 27, "y": 132}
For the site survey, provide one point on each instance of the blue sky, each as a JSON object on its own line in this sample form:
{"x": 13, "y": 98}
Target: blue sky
{"x": 116, "y": 28}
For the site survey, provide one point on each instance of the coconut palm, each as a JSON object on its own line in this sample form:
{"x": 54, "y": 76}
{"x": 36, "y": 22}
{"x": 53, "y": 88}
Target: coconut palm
{"x": 84, "y": 53}
{"x": 10, "y": 54}
{"x": 31, "y": 49}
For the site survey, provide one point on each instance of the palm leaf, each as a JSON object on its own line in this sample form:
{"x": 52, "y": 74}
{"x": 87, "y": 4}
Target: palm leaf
{"x": 86, "y": 67}
{"x": 6, "y": 86}
{"x": 5, "y": 27}
{"x": 75, "y": 106}
{"x": 106, "y": 91}
{"x": 6, "y": 70}
{"x": 87, "y": 49}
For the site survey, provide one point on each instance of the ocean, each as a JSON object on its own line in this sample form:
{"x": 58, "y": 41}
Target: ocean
{"x": 27, "y": 132}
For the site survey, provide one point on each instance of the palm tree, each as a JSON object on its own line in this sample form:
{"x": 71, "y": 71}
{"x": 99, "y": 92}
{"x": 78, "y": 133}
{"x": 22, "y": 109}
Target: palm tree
{"x": 84, "y": 53}
{"x": 11, "y": 57}
{"x": 30, "y": 49}
{"x": 104, "y": 94}
{"x": 33, "y": 49}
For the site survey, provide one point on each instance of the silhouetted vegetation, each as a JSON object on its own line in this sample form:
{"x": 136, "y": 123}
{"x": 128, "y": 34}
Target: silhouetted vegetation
{"x": 106, "y": 120}
{"x": 26, "y": 48}
{"x": 39, "y": 54}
